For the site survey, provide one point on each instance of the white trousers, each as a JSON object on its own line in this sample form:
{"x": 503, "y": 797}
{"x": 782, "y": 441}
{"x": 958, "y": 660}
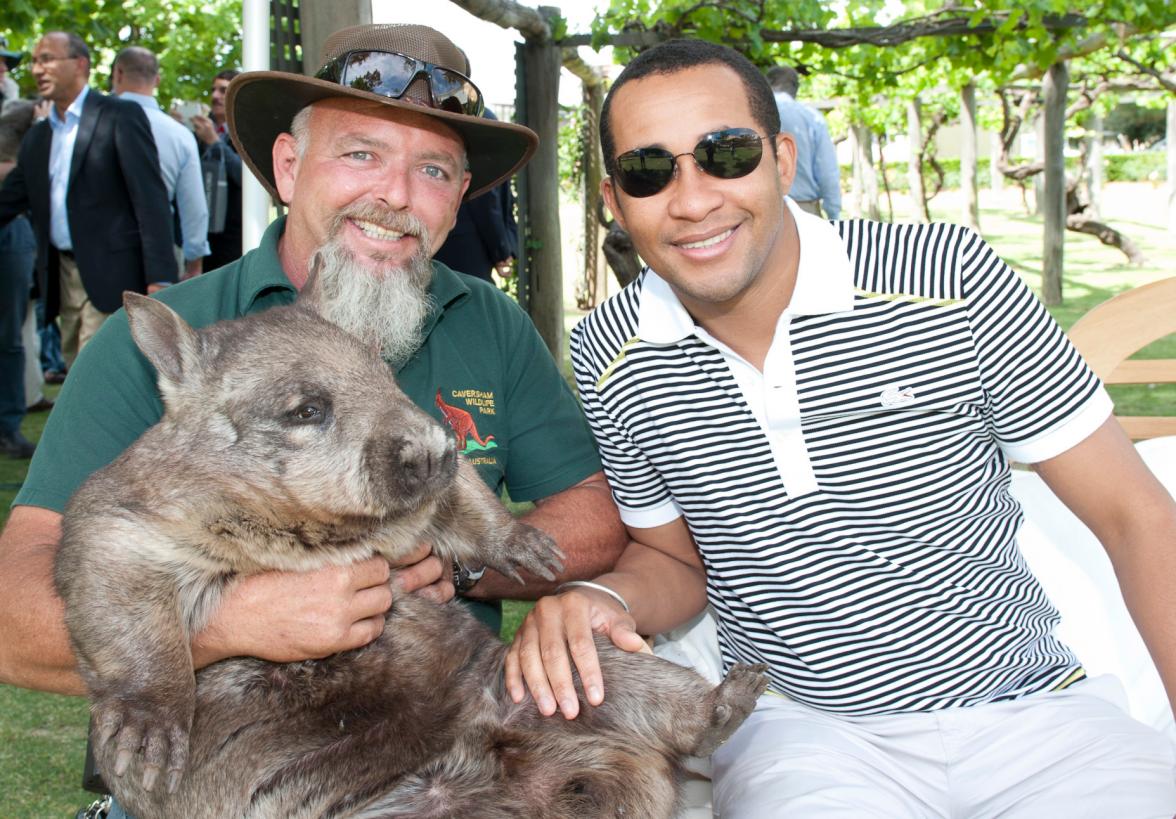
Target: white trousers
{"x": 1072, "y": 753}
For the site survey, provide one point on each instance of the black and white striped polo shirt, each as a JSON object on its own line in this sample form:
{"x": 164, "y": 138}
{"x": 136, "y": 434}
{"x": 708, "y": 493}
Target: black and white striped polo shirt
{"x": 851, "y": 503}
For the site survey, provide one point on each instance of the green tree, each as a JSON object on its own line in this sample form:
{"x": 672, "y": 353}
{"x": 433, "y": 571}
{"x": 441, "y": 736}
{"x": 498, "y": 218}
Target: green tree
{"x": 877, "y": 57}
{"x": 192, "y": 40}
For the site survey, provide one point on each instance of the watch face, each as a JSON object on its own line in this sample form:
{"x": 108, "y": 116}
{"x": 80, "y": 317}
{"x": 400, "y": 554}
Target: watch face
{"x": 464, "y": 578}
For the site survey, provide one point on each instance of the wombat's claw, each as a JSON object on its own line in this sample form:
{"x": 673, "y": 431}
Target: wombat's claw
{"x": 734, "y": 699}
{"x": 154, "y": 732}
{"x": 529, "y": 549}
{"x": 546, "y": 565}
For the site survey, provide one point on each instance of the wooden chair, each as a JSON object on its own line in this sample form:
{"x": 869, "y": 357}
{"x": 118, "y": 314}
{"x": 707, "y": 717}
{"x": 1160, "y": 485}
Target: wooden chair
{"x": 1117, "y": 328}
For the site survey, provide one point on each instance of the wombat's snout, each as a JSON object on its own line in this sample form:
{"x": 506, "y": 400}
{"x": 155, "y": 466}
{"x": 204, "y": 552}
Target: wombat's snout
{"x": 424, "y": 464}
{"x": 420, "y": 465}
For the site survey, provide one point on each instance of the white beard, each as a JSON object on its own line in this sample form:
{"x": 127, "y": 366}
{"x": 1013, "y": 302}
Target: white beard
{"x": 384, "y": 305}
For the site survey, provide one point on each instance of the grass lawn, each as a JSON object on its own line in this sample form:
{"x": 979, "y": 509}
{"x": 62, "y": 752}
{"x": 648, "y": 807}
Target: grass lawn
{"x": 42, "y": 736}
{"x": 1094, "y": 272}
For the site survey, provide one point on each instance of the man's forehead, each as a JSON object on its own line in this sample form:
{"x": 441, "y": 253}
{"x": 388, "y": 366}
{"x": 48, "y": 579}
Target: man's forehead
{"x": 326, "y": 112}
{"x": 52, "y": 42}
{"x": 666, "y": 107}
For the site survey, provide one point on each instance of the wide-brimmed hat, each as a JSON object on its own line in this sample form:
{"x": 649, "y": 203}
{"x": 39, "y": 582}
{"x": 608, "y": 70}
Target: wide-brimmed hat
{"x": 262, "y": 104}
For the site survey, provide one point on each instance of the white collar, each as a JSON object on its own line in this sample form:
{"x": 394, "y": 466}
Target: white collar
{"x": 824, "y": 283}
{"x": 74, "y": 108}
{"x": 146, "y": 100}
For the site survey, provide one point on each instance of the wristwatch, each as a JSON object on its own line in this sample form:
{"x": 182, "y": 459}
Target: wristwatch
{"x": 464, "y": 577}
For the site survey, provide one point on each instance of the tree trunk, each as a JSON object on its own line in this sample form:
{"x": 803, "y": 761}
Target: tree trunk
{"x": 545, "y": 265}
{"x": 995, "y": 177}
{"x": 1084, "y": 223}
{"x": 317, "y": 19}
{"x": 1094, "y": 183}
{"x": 1054, "y": 186}
{"x": 1171, "y": 166}
{"x": 1039, "y": 160}
{"x": 915, "y": 164}
{"x": 968, "y": 157}
{"x": 855, "y": 178}
{"x": 869, "y": 175}
{"x": 621, "y": 255}
{"x": 594, "y": 266}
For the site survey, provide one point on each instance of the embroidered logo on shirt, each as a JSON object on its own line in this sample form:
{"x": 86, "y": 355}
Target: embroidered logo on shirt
{"x": 462, "y": 422}
{"x": 897, "y": 396}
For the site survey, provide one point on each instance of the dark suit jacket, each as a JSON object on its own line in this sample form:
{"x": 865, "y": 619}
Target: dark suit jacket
{"x": 485, "y": 233}
{"x": 225, "y": 247}
{"x": 119, "y": 217}
{"x": 481, "y": 238}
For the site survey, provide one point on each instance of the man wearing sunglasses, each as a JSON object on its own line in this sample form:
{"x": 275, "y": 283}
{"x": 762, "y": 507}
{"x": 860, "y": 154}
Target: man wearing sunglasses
{"x": 809, "y": 426}
{"x": 373, "y": 158}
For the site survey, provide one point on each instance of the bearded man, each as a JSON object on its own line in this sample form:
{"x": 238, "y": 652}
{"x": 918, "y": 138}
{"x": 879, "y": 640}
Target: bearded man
{"x": 373, "y": 156}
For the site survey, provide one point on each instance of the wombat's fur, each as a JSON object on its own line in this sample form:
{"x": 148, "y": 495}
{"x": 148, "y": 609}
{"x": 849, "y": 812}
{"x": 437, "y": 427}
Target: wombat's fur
{"x": 286, "y": 444}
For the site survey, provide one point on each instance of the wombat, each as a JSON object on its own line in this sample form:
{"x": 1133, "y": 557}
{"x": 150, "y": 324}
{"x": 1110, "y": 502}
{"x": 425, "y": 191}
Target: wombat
{"x": 285, "y": 443}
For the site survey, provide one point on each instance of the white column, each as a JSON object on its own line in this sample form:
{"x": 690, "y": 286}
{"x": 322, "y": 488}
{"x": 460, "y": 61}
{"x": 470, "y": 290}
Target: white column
{"x": 969, "y": 157}
{"x": 1171, "y": 166}
{"x": 255, "y": 51}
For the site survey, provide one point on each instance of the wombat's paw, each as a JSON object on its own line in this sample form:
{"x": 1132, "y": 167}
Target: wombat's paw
{"x": 156, "y": 730}
{"x": 525, "y": 548}
{"x": 733, "y": 700}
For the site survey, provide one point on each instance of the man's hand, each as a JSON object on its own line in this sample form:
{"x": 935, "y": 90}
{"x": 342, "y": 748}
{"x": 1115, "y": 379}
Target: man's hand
{"x": 290, "y": 616}
{"x": 204, "y": 129}
{"x": 425, "y": 574}
{"x": 505, "y": 267}
{"x": 555, "y": 627}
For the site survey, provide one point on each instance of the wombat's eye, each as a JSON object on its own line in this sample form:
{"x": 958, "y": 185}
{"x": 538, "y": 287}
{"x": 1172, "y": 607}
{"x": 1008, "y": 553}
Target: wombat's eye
{"x": 307, "y": 414}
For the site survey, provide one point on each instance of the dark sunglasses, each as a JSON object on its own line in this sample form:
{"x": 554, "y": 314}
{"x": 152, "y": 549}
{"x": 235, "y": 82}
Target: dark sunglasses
{"x": 389, "y": 74}
{"x": 726, "y": 154}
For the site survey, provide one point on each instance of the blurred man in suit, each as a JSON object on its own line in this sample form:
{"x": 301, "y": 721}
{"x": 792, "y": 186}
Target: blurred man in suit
{"x": 486, "y": 237}
{"x": 224, "y": 239}
{"x": 89, "y": 177}
{"x": 18, "y": 252}
{"x": 135, "y": 78}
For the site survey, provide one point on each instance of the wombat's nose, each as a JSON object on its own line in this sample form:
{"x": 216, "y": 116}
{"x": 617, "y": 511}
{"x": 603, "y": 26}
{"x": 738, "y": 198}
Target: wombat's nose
{"x": 425, "y": 465}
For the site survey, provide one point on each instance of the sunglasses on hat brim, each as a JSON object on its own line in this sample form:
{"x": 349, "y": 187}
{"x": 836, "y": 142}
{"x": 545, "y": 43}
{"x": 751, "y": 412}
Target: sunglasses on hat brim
{"x": 727, "y": 154}
{"x": 390, "y": 73}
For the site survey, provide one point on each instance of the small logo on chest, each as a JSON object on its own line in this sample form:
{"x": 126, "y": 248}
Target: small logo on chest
{"x": 895, "y": 396}
{"x": 462, "y": 422}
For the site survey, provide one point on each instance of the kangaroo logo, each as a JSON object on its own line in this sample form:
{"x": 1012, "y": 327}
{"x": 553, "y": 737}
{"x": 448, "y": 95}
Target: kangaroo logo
{"x": 463, "y": 426}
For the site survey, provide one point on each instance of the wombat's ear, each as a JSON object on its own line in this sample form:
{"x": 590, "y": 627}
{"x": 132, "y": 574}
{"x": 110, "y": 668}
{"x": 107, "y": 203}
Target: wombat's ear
{"x": 310, "y": 296}
{"x": 165, "y": 338}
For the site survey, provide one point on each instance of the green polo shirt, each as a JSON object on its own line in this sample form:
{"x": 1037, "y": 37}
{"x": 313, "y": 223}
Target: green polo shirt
{"x": 482, "y": 369}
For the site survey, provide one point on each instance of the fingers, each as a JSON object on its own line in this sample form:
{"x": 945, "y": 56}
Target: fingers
{"x": 439, "y": 592}
{"x": 291, "y": 616}
{"x": 626, "y": 638}
{"x": 423, "y": 573}
{"x": 373, "y": 601}
{"x": 363, "y": 632}
{"x": 419, "y": 553}
{"x": 583, "y": 649}
{"x": 364, "y": 574}
{"x": 557, "y": 637}
{"x": 548, "y": 671}
{"x": 525, "y": 670}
